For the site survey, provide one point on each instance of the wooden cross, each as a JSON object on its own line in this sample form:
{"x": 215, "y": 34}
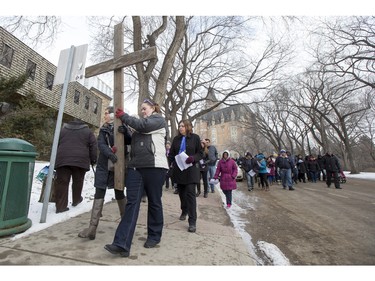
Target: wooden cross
{"x": 116, "y": 65}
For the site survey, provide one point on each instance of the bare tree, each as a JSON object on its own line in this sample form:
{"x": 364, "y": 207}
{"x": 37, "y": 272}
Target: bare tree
{"x": 340, "y": 103}
{"x": 33, "y": 30}
{"x": 350, "y": 47}
{"x": 213, "y": 57}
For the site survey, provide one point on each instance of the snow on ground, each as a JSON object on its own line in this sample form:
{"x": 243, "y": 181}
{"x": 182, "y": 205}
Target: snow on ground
{"x": 362, "y": 175}
{"x": 35, "y": 207}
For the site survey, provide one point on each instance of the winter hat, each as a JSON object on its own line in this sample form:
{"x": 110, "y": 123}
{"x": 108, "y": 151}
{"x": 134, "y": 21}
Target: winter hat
{"x": 227, "y": 152}
{"x": 282, "y": 151}
{"x": 248, "y": 154}
{"x": 260, "y": 156}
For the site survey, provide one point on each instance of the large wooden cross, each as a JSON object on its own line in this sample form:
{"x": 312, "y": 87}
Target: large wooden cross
{"x": 116, "y": 65}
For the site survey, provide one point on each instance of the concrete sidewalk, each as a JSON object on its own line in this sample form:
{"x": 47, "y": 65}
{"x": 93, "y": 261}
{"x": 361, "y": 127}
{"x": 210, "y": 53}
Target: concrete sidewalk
{"x": 216, "y": 242}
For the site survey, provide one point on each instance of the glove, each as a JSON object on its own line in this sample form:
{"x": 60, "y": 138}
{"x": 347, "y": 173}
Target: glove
{"x": 114, "y": 149}
{"x": 122, "y": 130}
{"x": 189, "y": 160}
{"x": 113, "y": 158}
{"x": 119, "y": 112}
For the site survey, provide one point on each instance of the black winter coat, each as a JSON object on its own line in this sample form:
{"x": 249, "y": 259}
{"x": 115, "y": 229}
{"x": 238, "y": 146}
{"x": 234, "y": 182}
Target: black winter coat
{"x": 103, "y": 177}
{"x": 321, "y": 162}
{"x": 301, "y": 166}
{"x": 313, "y": 166}
{"x": 204, "y": 162}
{"x": 331, "y": 163}
{"x": 249, "y": 164}
{"x": 284, "y": 163}
{"x": 77, "y": 146}
{"x": 193, "y": 148}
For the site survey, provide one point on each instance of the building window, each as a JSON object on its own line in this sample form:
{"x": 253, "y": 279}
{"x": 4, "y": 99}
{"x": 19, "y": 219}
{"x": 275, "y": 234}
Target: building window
{"x": 87, "y": 102}
{"x": 30, "y": 69}
{"x": 95, "y": 108}
{"x": 6, "y": 56}
{"x": 233, "y": 133}
{"x": 49, "y": 81}
{"x": 213, "y": 135}
{"x": 76, "y": 97}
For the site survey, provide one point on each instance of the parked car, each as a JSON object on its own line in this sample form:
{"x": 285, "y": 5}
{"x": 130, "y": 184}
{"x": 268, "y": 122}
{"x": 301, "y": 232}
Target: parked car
{"x": 239, "y": 173}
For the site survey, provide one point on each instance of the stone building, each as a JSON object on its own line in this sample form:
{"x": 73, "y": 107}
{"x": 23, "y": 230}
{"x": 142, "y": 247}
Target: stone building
{"x": 16, "y": 58}
{"x": 224, "y": 126}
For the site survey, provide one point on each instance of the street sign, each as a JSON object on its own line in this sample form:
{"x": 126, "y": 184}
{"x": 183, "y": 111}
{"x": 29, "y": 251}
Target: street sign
{"x": 78, "y": 66}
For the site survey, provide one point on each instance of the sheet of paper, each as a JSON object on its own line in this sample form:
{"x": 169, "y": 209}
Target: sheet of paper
{"x": 213, "y": 181}
{"x": 180, "y": 160}
{"x": 252, "y": 173}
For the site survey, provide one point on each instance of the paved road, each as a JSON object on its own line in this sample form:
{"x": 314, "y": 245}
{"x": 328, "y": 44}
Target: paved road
{"x": 314, "y": 225}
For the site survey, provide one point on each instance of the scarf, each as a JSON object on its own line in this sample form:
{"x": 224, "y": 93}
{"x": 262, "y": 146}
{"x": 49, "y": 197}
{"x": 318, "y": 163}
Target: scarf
{"x": 183, "y": 145}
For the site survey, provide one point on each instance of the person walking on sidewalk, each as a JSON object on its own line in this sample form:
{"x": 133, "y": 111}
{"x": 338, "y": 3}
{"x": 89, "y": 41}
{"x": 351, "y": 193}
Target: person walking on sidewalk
{"x": 263, "y": 173}
{"x": 284, "y": 165}
{"x": 168, "y": 175}
{"x": 212, "y": 157}
{"x": 146, "y": 172}
{"x": 187, "y": 142}
{"x": 227, "y": 170}
{"x": 77, "y": 149}
{"x": 313, "y": 168}
{"x": 104, "y": 178}
{"x": 332, "y": 165}
{"x": 250, "y": 165}
{"x": 204, "y": 171}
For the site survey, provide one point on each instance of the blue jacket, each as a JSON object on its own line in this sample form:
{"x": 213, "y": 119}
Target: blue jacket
{"x": 263, "y": 166}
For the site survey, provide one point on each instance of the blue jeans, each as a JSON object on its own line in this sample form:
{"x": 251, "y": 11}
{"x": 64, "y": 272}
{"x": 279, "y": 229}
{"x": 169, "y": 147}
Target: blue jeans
{"x": 314, "y": 175}
{"x": 250, "y": 181}
{"x": 151, "y": 181}
{"x": 286, "y": 177}
{"x": 211, "y": 173}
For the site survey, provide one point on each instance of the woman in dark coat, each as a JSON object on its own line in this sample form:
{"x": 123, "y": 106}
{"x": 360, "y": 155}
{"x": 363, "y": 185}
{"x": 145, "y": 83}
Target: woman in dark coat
{"x": 103, "y": 177}
{"x": 302, "y": 169}
{"x": 75, "y": 152}
{"x": 186, "y": 180}
{"x": 313, "y": 168}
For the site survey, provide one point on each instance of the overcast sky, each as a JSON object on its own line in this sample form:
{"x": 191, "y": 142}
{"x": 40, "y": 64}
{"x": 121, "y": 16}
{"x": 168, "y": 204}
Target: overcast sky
{"x": 195, "y": 7}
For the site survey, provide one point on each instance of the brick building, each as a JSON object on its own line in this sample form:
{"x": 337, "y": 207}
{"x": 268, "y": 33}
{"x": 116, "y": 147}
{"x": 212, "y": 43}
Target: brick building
{"x": 224, "y": 126}
{"x": 16, "y": 58}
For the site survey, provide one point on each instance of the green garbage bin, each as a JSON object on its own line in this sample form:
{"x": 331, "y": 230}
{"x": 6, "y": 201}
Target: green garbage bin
{"x": 17, "y": 162}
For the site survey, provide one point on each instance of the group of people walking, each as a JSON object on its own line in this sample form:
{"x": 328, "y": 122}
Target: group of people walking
{"x": 288, "y": 170}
